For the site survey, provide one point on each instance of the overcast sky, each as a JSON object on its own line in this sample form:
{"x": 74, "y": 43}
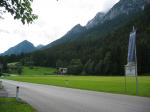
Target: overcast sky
{"x": 55, "y": 19}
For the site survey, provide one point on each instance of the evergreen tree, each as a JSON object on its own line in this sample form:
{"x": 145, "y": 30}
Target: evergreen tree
{"x": 107, "y": 63}
{"x": 75, "y": 67}
{"x": 89, "y": 67}
{"x": 99, "y": 67}
{"x": 59, "y": 63}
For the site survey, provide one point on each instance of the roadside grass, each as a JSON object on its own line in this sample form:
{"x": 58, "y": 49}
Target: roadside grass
{"x": 38, "y": 71}
{"x": 95, "y": 83}
{"x": 11, "y": 105}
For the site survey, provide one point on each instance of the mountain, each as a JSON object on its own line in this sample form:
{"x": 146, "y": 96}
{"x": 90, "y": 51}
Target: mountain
{"x": 76, "y": 30}
{"x": 95, "y": 21}
{"x": 120, "y": 10}
{"x": 71, "y": 35}
{"x": 23, "y": 47}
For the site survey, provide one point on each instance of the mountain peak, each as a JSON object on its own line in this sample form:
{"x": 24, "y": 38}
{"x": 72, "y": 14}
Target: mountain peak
{"x": 95, "y": 21}
{"x": 25, "y": 41}
{"x": 23, "y": 47}
{"x": 76, "y": 29}
{"x": 69, "y": 36}
{"x": 78, "y": 26}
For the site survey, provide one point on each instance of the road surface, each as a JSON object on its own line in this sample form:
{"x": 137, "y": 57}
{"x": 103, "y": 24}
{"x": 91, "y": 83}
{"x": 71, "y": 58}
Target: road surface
{"x": 47, "y": 98}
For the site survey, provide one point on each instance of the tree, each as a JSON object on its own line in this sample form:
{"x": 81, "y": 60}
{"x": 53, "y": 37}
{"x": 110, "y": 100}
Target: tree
{"x": 1, "y": 67}
{"x": 75, "y": 66}
{"x": 59, "y": 63}
{"x": 19, "y": 9}
{"x": 19, "y": 68}
{"x": 107, "y": 62}
{"x": 99, "y": 67}
{"x": 89, "y": 67}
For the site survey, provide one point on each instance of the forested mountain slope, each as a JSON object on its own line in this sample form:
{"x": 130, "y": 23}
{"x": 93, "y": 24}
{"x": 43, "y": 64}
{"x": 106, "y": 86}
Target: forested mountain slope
{"x": 104, "y": 52}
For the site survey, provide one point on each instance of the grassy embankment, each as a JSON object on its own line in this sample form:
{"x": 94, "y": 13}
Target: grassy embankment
{"x": 11, "y": 105}
{"x": 95, "y": 83}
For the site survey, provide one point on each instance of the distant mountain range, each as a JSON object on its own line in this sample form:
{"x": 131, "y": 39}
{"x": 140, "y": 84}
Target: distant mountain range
{"x": 23, "y": 47}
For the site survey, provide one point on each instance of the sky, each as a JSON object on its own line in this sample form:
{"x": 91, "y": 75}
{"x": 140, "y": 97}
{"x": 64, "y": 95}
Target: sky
{"x": 55, "y": 19}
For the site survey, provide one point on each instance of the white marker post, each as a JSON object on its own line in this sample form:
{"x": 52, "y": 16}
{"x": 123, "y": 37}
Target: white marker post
{"x": 17, "y": 93}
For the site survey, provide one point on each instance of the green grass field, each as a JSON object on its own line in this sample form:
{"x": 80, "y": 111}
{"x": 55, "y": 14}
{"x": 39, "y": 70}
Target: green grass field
{"x": 11, "y": 105}
{"x": 38, "y": 71}
{"x": 95, "y": 83}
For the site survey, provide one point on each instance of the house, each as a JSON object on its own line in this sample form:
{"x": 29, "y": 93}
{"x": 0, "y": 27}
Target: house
{"x": 62, "y": 70}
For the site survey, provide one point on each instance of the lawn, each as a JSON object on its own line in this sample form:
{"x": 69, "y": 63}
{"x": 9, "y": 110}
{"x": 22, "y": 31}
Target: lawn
{"x": 11, "y": 105}
{"x": 95, "y": 83}
{"x": 38, "y": 71}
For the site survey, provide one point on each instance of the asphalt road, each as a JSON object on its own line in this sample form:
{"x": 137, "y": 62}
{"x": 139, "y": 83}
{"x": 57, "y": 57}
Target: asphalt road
{"x": 47, "y": 98}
